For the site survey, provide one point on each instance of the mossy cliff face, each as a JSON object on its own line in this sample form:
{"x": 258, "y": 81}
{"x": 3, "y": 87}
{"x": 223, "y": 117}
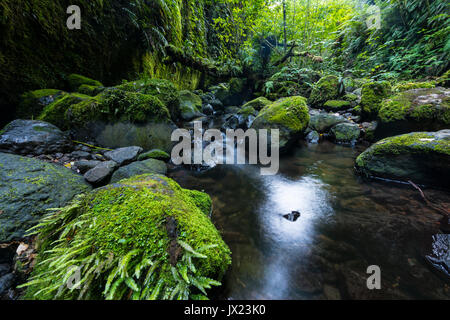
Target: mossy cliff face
{"x": 117, "y": 40}
{"x": 289, "y": 115}
{"x": 373, "y": 94}
{"x": 415, "y": 110}
{"x": 142, "y": 238}
{"x": 422, "y": 157}
{"x": 328, "y": 88}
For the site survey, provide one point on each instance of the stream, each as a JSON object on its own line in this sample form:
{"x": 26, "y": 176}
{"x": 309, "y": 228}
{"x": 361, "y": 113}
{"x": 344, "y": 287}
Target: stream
{"x": 346, "y": 224}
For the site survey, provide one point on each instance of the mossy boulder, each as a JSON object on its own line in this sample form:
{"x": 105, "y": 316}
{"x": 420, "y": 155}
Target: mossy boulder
{"x": 164, "y": 90}
{"x": 113, "y": 105}
{"x": 322, "y": 122}
{"x": 280, "y": 89}
{"x": 421, "y": 157}
{"x": 75, "y": 81}
{"x": 33, "y": 102}
{"x": 28, "y": 187}
{"x": 346, "y": 132}
{"x": 258, "y": 104}
{"x": 90, "y": 90}
{"x": 155, "y": 154}
{"x": 232, "y": 93}
{"x": 444, "y": 80}
{"x": 373, "y": 94}
{"x": 289, "y": 115}
{"x": 328, "y": 88}
{"x": 337, "y": 105}
{"x": 415, "y": 110}
{"x": 142, "y": 238}
{"x": 190, "y": 105}
{"x": 410, "y": 85}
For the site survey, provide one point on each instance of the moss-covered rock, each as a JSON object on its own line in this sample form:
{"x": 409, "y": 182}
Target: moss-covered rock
{"x": 444, "y": 80}
{"x": 373, "y": 94}
{"x": 408, "y": 85}
{"x": 142, "y": 238}
{"x": 33, "y": 102}
{"x": 422, "y": 157}
{"x": 258, "y": 104}
{"x": 190, "y": 105}
{"x": 328, "y": 88}
{"x": 155, "y": 154}
{"x": 164, "y": 90}
{"x": 322, "y": 122}
{"x": 114, "y": 105}
{"x": 289, "y": 115}
{"x": 346, "y": 132}
{"x": 75, "y": 81}
{"x": 28, "y": 187}
{"x": 90, "y": 90}
{"x": 336, "y": 105}
{"x": 415, "y": 110}
{"x": 232, "y": 93}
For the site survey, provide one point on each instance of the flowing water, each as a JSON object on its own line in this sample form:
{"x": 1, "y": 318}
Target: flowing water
{"x": 346, "y": 224}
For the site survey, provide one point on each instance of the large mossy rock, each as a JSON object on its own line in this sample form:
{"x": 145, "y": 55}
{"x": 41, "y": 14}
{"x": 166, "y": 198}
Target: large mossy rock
{"x": 422, "y": 157}
{"x": 372, "y": 96}
{"x": 33, "y": 102}
{"x": 289, "y": 115}
{"x": 346, "y": 132}
{"x": 258, "y": 104}
{"x": 28, "y": 187}
{"x": 29, "y": 137}
{"x": 75, "y": 81}
{"x": 111, "y": 106}
{"x": 142, "y": 238}
{"x": 164, "y": 90}
{"x": 190, "y": 105}
{"x": 415, "y": 110}
{"x": 328, "y": 88}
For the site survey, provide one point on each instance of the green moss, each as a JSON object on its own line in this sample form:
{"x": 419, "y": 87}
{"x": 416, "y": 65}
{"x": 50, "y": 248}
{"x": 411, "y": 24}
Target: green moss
{"x": 33, "y": 102}
{"x": 154, "y": 154}
{"x": 258, "y": 103}
{"x": 337, "y": 105}
{"x": 164, "y": 90}
{"x": 117, "y": 229}
{"x": 350, "y": 97}
{"x": 326, "y": 89}
{"x": 89, "y": 90}
{"x": 444, "y": 80}
{"x": 75, "y": 81}
{"x": 405, "y": 86}
{"x": 291, "y": 113}
{"x": 373, "y": 94}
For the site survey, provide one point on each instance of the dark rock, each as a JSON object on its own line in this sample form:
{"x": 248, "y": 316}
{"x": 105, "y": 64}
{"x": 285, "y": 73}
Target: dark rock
{"x": 322, "y": 121}
{"x": 86, "y": 165}
{"x": 4, "y": 269}
{"x": 26, "y": 137}
{"x": 139, "y": 168}
{"x": 124, "y": 156}
{"x": 293, "y": 216}
{"x": 440, "y": 257}
{"x": 208, "y": 109}
{"x": 101, "y": 173}
{"x": 27, "y": 188}
{"x": 77, "y": 155}
{"x": 6, "y": 282}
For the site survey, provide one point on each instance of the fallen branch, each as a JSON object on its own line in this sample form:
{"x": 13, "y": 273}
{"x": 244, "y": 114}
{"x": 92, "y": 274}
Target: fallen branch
{"x": 442, "y": 211}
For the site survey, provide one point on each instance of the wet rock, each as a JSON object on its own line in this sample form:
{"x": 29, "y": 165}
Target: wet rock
{"x": 369, "y": 129}
{"x": 346, "y": 132}
{"x": 313, "y": 137}
{"x": 77, "y": 155}
{"x": 6, "y": 282}
{"x": 422, "y": 157}
{"x": 124, "y": 156}
{"x": 27, "y": 137}
{"x": 440, "y": 257}
{"x": 86, "y": 165}
{"x": 190, "y": 105}
{"x": 322, "y": 121}
{"x": 27, "y": 188}
{"x": 208, "y": 109}
{"x": 293, "y": 216}
{"x": 4, "y": 269}
{"x": 101, "y": 173}
{"x": 414, "y": 111}
{"x": 139, "y": 168}
{"x": 331, "y": 293}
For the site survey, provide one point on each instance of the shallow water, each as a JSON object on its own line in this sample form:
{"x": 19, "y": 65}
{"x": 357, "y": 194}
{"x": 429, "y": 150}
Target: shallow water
{"x": 346, "y": 225}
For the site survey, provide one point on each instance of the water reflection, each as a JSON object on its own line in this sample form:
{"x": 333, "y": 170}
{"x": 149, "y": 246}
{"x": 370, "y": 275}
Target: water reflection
{"x": 345, "y": 225}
